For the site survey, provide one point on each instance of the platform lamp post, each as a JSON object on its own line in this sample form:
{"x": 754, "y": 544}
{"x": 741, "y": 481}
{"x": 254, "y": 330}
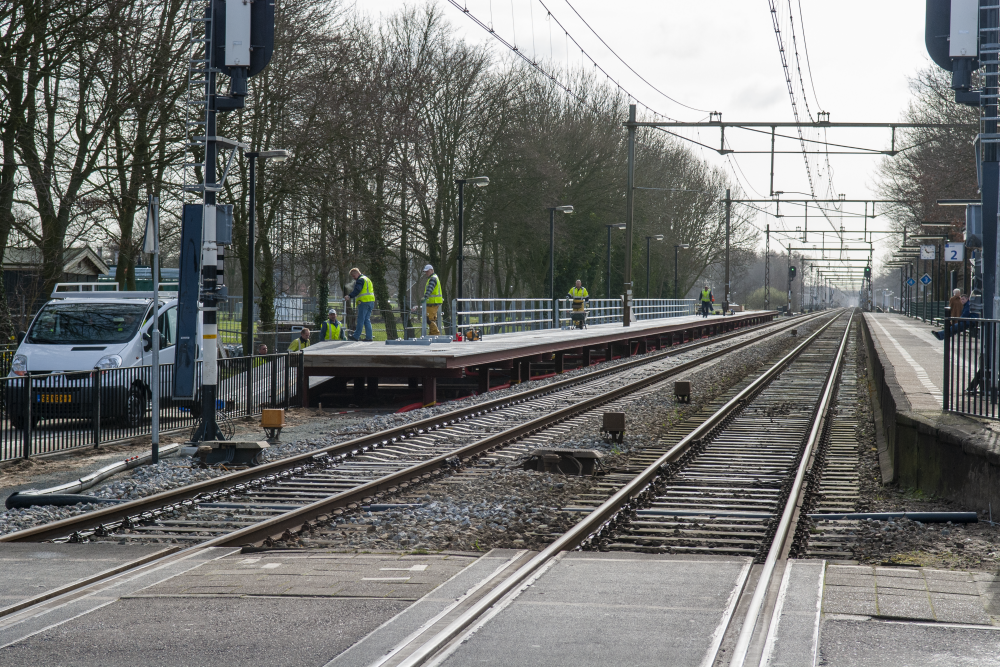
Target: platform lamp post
{"x": 678, "y": 246}
{"x": 552, "y": 259}
{"x": 479, "y": 182}
{"x": 654, "y": 237}
{"x": 278, "y": 155}
{"x": 617, "y": 225}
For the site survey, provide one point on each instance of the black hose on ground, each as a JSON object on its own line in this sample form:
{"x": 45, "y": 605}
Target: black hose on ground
{"x": 20, "y": 501}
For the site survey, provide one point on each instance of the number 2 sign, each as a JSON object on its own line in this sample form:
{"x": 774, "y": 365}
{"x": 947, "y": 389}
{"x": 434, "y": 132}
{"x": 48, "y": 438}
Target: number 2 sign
{"x": 954, "y": 252}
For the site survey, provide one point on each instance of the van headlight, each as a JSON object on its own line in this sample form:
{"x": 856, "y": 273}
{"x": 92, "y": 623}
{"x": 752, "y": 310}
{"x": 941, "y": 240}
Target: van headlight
{"x": 108, "y": 361}
{"x": 19, "y": 365}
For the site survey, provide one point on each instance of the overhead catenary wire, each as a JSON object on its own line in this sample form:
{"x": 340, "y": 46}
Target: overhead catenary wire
{"x": 537, "y": 66}
{"x": 620, "y": 59}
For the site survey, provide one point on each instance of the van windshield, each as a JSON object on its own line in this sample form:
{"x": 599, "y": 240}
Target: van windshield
{"x": 83, "y": 323}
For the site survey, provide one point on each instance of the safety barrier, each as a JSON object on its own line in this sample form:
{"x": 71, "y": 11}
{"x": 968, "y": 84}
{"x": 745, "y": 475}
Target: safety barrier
{"x": 42, "y": 413}
{"x": 971, "y": 366}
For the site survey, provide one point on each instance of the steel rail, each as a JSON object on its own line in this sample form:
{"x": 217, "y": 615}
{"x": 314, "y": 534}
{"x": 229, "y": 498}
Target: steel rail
{"x": 271, "y": 471}
{"x": 588, "y": 527}
{"x": 795, "y": 497}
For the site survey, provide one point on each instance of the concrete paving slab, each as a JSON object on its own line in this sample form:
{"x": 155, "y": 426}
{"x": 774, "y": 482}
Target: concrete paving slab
{"x": 31, "y": 569}
{"x": 917, "y": 357}
{"x": 393, "y": 633}
{"x": 959, "y": 609}
{"x": 898, "y": 573}
{"x": 242, "y": 632}
{"x": 913, "y": 583}
{"x": 905, "y": 606}
{"x": 853, "y": 643}
{"x": 862, "y": 605}
{"x": 590, "y": 610}
{"x": 793, "y": 638}
{"x": 951, "y": 586}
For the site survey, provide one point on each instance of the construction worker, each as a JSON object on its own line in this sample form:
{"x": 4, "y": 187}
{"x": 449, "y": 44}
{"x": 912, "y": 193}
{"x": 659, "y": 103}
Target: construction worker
{"x": 300, "y": 343}
{"x": 433, "y": 298}
{"x": 707, "y": 300}
{"x": 332, "y": 329}
{"x": 364, "y": 296}
{"x": 580, "y": 301}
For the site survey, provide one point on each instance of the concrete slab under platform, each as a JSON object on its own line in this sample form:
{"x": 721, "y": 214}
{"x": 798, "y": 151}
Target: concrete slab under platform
{"x": 920, "y": 446}
{"x": 29, "y": 570}
{"x": 225, "y": 608}
{"x": 612, "y": 609}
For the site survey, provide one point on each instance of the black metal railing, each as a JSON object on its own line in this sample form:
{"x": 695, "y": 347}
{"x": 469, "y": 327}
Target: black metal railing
{"x": 971, "y": 364}
{"x": 48, "y": 412}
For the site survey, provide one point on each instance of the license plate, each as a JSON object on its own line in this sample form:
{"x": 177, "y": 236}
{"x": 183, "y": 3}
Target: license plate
{"x": 54, "y": 398}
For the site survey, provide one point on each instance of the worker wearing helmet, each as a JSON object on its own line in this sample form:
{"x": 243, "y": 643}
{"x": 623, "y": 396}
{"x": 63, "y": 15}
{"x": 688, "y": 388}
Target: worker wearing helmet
{"x": 581, "y": 298}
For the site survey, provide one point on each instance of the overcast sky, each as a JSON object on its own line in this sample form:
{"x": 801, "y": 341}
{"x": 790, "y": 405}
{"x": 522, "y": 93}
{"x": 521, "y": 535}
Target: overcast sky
{"x": 723, "y": 56}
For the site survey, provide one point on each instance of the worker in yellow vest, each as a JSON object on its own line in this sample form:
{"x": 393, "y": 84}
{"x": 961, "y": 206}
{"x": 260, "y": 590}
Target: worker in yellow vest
{"x": 580, "y": 298}
{"x": 332, "y": 328}
{"x": 433, "y": 298}
{"x": 364, "y": 296}
{"x": 300, "y": 343}
{"x": 707, "y": 300}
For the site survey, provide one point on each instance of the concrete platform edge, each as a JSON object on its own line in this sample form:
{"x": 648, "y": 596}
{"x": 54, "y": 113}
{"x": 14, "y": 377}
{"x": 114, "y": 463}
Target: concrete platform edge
{"x": 939, "y": 453}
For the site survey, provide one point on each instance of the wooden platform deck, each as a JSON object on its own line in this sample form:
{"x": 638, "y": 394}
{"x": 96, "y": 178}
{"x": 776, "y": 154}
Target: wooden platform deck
{"x": 511, "y": 355}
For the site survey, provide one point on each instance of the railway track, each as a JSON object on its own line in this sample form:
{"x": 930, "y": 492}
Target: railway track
{"x": 254, "y": 505}
{"x": 264, "y": 508}
{"x": 734, "y": 484}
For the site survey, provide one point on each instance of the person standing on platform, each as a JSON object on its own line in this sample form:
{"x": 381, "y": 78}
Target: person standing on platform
{"x": 433, "y": 298}
{"x": 581, "y": 298}
{"x": 300, "y": 343}
{"x": 364, "y": 296}
{"x": 332, "y": 329}
{"x": 707, "y": 300}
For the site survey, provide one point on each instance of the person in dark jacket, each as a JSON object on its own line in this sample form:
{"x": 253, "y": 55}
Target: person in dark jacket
{"x": 958, "y": 326}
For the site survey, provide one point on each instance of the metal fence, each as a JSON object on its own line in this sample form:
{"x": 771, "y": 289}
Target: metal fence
{"x": 971, "y": 365}
{"x": 50, "y": 412}
{"x": 493, "y": 316}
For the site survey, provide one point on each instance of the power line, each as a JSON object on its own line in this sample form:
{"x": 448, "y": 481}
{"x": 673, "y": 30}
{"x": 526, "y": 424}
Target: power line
{"x": 805, "y": 47}
{"x": 534, "y": 63}
{"x": 631, "y": 69}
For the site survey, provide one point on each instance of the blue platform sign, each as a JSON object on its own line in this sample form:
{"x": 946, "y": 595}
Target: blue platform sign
{"x": 911, "y": 282}
{"x": 925, "y": 279}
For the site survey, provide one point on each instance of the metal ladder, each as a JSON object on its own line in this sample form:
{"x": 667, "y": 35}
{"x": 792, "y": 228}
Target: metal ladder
{"x": 196, "y": 102}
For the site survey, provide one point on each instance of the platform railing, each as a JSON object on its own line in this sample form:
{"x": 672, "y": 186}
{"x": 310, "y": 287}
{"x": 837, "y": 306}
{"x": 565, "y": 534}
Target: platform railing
{"x": 496, "y": 316}
{"x": 971, "y": 367}
{"x": 42, "y": 413}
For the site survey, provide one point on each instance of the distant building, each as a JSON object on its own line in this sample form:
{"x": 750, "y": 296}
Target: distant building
{"x": 23, "y": 282}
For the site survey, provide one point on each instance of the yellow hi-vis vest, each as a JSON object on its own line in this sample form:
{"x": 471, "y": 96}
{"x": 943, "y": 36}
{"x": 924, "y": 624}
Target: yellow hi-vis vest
{"x": 435, "y": 297}
{"x": 706, "y": 295}
{"x": 298, "y": 344}
{"x": 367, "y": 291}
{"x": 578, "y": 296}
{"x": 331, "y": 331}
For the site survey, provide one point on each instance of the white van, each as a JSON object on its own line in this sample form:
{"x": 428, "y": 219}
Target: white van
{"x": 78, "y": 333}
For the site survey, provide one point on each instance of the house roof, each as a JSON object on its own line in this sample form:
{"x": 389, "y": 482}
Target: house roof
{"x": 80, "y": 260}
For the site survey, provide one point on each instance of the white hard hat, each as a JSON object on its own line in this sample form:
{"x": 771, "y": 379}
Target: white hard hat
{"x": 428, "y": 268}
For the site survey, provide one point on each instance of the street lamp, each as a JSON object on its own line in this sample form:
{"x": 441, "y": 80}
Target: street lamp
{"x": 617, "y": 225}
{"x": 478, "y": 181}
{"x": 657, "y": 237}
{"x": 679, "y": 246}
{"x": 552, "y": 257}
{"x": 278, "y": 155}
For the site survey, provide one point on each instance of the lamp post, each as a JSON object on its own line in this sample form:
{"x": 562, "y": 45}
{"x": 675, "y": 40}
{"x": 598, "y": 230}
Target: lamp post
{"x": 552, "y": 258}
{"x": 679, "y": 246}
{"x": 279, "y": 155}
{"x": 478, "y": 181}
{"x": 618, "y": 225}
{"x": 657, "y": 237}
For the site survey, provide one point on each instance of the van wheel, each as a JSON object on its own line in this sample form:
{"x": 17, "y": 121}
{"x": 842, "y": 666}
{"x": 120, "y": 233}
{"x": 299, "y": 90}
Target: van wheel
{"x": 17, "y": 420}
{"x": 134, "y": 409}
